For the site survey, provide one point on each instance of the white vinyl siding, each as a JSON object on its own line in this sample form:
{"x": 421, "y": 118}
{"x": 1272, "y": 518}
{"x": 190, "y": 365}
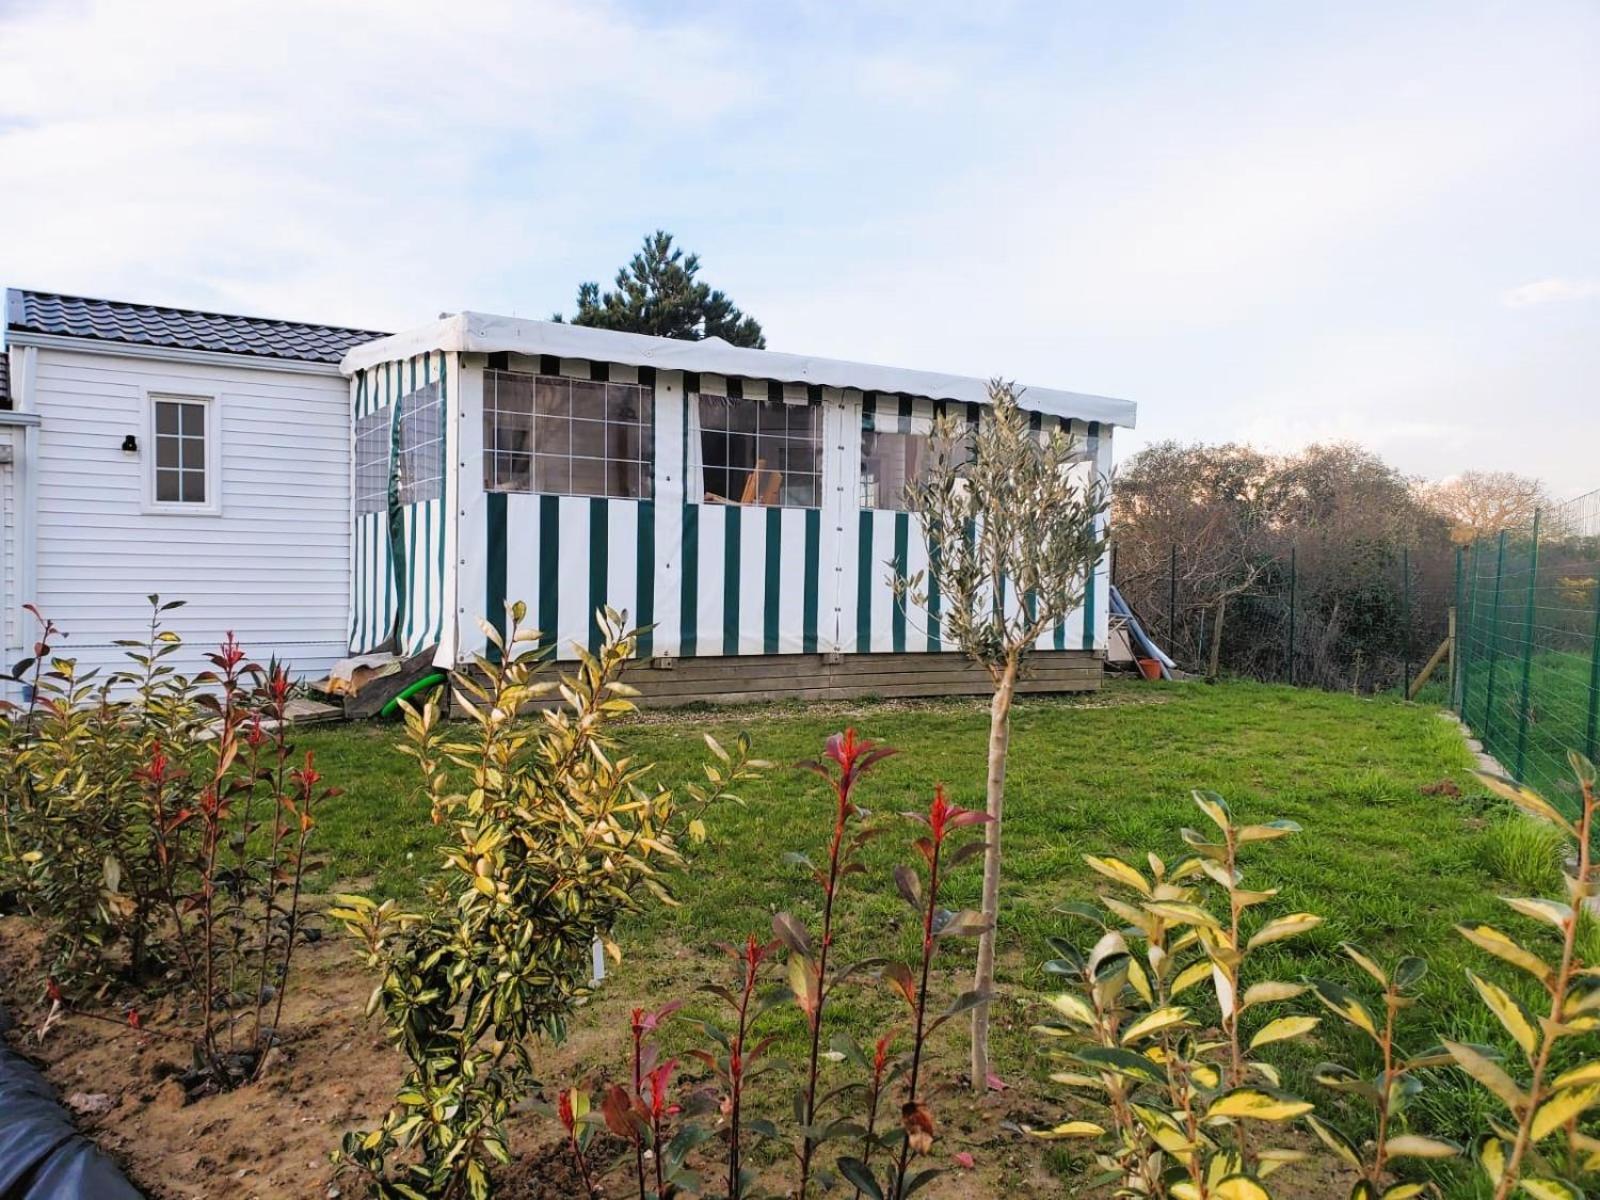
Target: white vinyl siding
{"x": 273, "y": 566}
{"x": 11, "y": 438}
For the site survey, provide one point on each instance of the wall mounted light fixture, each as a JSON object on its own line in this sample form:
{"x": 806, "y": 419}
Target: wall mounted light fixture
{"x": 130, "y": 445}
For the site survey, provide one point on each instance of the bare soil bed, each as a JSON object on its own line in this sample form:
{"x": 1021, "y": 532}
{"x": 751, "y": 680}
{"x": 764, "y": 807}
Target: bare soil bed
{"x": 335, "y": 1072}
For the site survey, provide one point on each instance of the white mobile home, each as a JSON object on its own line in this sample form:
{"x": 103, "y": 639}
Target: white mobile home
{"x": 746, "y": 504}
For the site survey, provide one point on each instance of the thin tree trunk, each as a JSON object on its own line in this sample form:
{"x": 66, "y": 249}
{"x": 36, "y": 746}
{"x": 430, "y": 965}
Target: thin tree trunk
{"x": 983, "y": 980}
{"x": 1216, "y": 637}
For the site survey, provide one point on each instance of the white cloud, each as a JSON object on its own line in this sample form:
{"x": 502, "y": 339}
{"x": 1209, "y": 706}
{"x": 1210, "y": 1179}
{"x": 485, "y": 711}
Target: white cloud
{"x": 1551, "y": 291}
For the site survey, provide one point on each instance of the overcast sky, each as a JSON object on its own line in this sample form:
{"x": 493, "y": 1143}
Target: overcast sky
{"x": 1267, "y": 222}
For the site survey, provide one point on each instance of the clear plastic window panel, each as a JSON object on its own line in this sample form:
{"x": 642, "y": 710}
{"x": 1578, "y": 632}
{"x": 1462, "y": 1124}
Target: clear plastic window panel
{"x": 421, "y": 445}
{"x": 372, "y": 462}
{"x": 889, "y": 462}
{"x": 897, "y": 451}
{"x": 761, "y": 452}
{"x": 180, "y": 451}
{"x": 569, "y": 437}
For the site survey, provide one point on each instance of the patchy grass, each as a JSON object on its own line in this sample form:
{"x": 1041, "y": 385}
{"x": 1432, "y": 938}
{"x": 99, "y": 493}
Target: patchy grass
{"x": 1386, "y": 863}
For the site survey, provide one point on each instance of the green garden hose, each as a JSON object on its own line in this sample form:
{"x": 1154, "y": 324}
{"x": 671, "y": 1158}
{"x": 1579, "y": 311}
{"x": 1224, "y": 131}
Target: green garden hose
{"x": 421, "y": 685}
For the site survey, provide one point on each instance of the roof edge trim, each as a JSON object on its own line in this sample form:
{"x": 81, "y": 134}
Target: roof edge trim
{"x": 88, "y": 345}
{"x": 484, "y": 333}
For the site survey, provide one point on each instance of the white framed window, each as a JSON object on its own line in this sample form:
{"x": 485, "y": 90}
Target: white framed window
{"x": 183, "y": 454}
{"x": 766, "y": 452}
{"x": 372, "y": 462}
{"x": 568, "y": 437}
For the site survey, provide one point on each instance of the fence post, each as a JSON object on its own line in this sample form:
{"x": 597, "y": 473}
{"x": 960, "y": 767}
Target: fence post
{"x": 1593, "y": 729}
{"x": 1523, "y": 704}
{"x": 1293, "y": 580}
{"x": 1405, "y": 615}
{"x": 1494, "y": 641}
{"x": 1469, "y": 643}
{"x": 1455, "y": 640}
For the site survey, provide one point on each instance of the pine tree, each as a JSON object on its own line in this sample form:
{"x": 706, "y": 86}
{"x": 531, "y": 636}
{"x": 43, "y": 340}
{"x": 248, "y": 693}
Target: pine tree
{"x": 657, "y": 293}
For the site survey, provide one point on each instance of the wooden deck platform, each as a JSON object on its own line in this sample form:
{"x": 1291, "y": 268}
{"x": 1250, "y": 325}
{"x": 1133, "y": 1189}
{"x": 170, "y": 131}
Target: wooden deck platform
{"x": 751, "y": 678}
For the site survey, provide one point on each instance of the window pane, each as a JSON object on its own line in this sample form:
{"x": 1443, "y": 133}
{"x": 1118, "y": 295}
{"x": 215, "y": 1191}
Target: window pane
{"x": 167, "y": 416}
{"x": 772, "y": 453}
{"x": 589, "y": 476}
{"x": 193, "y": 454}
{"x": 552, "y": 474}
{"x": 716, "y": 483}
{"x": 194, "y": 487}
{"x": 622, "y": 442}
{"x": 624, "y": 480}
{"x": 512, "y": 472}
{"x": 553, "y": 397}
{"x": 192, "y": 420}
{"x": 713, "y": 413}
{"x": 166, "y": 451}
{"x": 167, "y": 486}
{"x": 553, "y": 435}
{"x": 622, "y": 402}
{"x": 588, "y": 439}
{"x": 588, "y": 400}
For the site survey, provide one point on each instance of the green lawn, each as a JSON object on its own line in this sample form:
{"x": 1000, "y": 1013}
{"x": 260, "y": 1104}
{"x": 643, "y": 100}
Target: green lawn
{"x": 1385, "y": 863}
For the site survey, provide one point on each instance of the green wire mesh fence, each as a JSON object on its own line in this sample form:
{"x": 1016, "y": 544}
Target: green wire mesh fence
{"x": 1527, "y": 670}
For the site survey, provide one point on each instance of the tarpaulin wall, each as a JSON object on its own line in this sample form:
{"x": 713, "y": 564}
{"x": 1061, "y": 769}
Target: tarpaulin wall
{"x": 713, "y": 578}
{"x": 402, "y": 483}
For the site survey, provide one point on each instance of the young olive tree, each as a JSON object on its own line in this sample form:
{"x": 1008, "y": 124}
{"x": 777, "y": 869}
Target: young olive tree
{"x": 1014, "y": 521}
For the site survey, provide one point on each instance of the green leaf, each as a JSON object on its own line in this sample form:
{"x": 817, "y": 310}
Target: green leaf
{"x": 1074, "y": 1008}
{"x": 1508, "y": 1009}
{"x": 1344, "y": 1004}
{"x": 1284, "y": 927}
{"x": 1334, "y": 1140}
{"x": 1153, "y": 1023}
{"x": 1068, "y": 1129}
{"x": 1585, "y": 1073}
{"x": 1215, "y": 807}
{"x": 1239, "y": 1187}
{"x": 1549, "y": 1189}
{"x": 1256, "y": 1105}
{"x": 1551, "y": 912}
{"x": 1411, "y": 1145}
{"x": 1269, "y": 992}
{"x": 1365, "y": 961}
{"x": 1487, "y": 937}
{"x": 1119, "y": 871}
{"x": 860, "y": 1175}
{"x": 1563, "y": 1107}
{"x": 1282, "y": 1029}
{"x": 1121, "y": 1062}
{"x": 1181, "y": 912}
{"x": 1526, "y": 799}
{"x": 1489, "y": 1073}
{"x": 1268, "y": 831}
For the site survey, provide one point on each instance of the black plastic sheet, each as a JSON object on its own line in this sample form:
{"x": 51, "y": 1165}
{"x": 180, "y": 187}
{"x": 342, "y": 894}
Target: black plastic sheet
{"x": 42, "y": 1154}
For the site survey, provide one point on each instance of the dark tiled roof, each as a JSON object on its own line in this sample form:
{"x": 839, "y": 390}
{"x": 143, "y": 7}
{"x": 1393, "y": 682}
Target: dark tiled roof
{"x": 179, "y": 328}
